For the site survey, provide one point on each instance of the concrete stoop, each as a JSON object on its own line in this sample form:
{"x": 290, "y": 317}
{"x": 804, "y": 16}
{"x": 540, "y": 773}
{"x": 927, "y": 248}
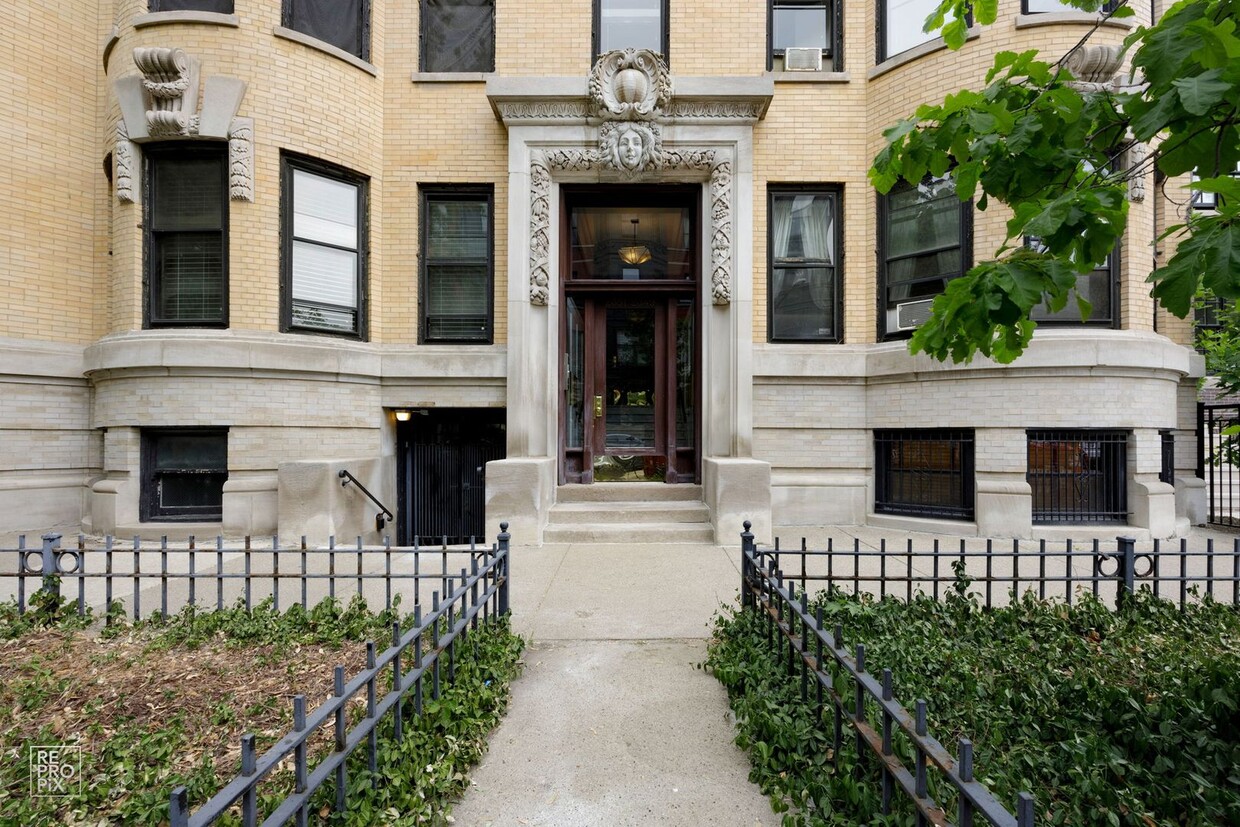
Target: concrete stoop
{"x": 629, "y": 512}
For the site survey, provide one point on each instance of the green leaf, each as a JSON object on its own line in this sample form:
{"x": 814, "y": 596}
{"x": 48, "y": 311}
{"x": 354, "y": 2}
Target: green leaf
{"x": 955, "y": 33}
{"x": 985, "y": 11}
{"x": 1200, "y": 93}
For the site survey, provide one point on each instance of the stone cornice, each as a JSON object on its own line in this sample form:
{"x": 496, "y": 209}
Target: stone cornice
{"x": 566, "y": 101}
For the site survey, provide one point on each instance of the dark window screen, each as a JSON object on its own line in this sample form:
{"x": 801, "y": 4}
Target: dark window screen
{"x": 458, "y": 268}
{"x": 458, "y": 35}
{"x": 220, "y": 6}
{"x": 338, "y": 22}
{"x": 184, "y": 472}
{"x": 186, "y": 220}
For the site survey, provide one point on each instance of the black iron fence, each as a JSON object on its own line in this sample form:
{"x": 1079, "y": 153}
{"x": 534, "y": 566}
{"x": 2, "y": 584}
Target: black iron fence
{"x": 822, "y": 658}
{"x": 145, "y": 578}
{"x": 414, "y": 659}
{"x": 993, "y": 570}
{"x": 1218, "y": 461}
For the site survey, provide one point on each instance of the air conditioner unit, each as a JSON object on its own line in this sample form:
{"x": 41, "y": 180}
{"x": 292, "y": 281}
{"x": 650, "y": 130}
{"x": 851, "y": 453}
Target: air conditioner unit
{"x": 802, "y": 60}
{"x": 908, "y": 315}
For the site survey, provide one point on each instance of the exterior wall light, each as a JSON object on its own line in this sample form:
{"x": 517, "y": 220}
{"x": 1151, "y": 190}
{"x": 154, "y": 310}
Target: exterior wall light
{"x": 403, "y": 415}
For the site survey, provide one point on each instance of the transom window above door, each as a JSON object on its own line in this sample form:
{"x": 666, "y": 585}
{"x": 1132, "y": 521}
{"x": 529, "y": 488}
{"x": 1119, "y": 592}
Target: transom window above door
{"x": 630, "y": 24}
{"x": 630, "y": 243}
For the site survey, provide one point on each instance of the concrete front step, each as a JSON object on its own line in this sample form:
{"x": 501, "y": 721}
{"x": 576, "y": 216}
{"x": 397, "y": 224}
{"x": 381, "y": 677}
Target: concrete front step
{"x": 629, "y": 513}
{"x": 644, "y": 532}
{"x": 611, "y": 492}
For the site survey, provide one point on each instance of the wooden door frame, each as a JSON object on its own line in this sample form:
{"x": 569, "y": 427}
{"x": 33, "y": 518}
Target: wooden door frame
{"x": 662, "y": 295}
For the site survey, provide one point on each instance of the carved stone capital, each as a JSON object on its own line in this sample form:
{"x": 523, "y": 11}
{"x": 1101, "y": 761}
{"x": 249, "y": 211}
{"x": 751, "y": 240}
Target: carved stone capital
{"x": 241, "y": 160}
{"x": 1134, "y": 158}
{"x": 630, "y": 84}
{"x": 126, "y": 168}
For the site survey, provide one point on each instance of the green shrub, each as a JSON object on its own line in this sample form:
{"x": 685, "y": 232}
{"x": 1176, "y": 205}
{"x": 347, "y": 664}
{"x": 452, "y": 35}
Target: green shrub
{"x": 1108, "y": 718}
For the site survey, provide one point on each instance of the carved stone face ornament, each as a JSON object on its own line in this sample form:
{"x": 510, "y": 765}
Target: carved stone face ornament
{"x": 630, "y": 147}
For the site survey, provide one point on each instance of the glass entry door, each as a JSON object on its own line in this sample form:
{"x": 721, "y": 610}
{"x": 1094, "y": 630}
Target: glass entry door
{"x": 629, "y": 385}
{"x": 629, "y": 396}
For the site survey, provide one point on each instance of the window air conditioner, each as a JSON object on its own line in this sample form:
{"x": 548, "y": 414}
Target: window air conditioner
{"x": 802, "y": 60}
{"x": 908, "y": 315}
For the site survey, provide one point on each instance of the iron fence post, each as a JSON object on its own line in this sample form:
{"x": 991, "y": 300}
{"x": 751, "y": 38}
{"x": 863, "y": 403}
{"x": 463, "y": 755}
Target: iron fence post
{"x": 51, "y": 579}
{"x": 178, "y": 808}
{"x": 747, "y": 599}
{"x": 1125, "y": 559}
{"x": 504, "y": 539}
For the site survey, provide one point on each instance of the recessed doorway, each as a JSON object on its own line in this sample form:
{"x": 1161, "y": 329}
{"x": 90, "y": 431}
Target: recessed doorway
{"x": 629, "y": 386}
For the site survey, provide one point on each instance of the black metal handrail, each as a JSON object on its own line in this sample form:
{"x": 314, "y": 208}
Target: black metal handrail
{"x": 379, "y": 521}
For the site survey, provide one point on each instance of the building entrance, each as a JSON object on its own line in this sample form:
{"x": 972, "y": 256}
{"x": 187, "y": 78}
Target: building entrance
{"x": 629, "y": 386}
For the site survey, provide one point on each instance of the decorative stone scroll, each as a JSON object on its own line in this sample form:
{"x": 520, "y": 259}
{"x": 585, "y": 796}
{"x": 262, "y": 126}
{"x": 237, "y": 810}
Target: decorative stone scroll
{"x": 241, "y": 160}
{"x": 1093, "y": 67}
{"x": 123, "y": 154}
{"x": 718, "y": 168}
{"x": 170, "y": 82}
{"x": 630, "y": 84}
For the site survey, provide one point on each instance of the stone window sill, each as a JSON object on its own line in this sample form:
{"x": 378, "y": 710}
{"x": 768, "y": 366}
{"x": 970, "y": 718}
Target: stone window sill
{"x": 809, "y": 77}
{"x": 326, "y": 48}
{"x": 162, "y": 18}
{"x": 1029, "y": 21}
{"x": 918, "y": 51}
{"x": 451, "y": 77}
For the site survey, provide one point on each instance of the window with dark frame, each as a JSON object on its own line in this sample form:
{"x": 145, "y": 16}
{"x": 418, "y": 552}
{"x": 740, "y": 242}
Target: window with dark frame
{"x": 924, "y": 472}
{"x": 457, "y": 274}
{"x": 1166, "y": 443}
{"x": 344, "y": 24}
{"x": 458, "y": 36}
{"x": 804, "y": 237}
{"x": 804, "y": 24}
{"x": 630, "y": 24}
{"x": 1053, "y": 6}
{"x": 217, "y": 6}
{"x": 1078, "y": 476}
{"x": 183, "y": 474}
{"x": 1201, "y": 200}
{"x": 925, "y": 240}
{"x": 900, "y": 25}
{"x": 1208, "y": 315}
{"x": 186, "y": 224}
{"x": 323, "y": 262}
{"x": 1099, "y": 287}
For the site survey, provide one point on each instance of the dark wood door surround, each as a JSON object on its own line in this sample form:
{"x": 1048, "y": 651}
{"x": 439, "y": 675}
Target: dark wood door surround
{"x": 629, "y": 334}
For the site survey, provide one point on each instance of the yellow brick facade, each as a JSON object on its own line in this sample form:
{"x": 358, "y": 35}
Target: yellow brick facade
{"x": 71, "y": 252}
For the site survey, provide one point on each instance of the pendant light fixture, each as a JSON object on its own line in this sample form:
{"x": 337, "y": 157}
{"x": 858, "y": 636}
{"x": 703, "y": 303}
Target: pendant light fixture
{"x": 634, "y": 253}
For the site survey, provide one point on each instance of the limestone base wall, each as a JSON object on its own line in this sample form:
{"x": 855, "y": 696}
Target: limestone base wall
{"x": 815, "y": 412}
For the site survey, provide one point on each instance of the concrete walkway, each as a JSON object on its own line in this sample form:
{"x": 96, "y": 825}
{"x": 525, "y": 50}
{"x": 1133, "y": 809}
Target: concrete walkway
{"x": 612, "y": 722}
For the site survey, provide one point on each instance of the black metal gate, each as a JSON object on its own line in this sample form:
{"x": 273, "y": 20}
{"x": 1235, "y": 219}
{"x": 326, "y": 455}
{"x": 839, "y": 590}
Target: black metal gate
{"x": 1218, "y": 460}
{"x": 441, "y": 485}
